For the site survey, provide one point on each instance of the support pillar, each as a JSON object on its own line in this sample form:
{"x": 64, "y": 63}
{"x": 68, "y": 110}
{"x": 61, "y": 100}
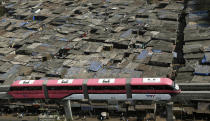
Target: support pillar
{"x": 68, "y": 111}
{"x": 155, "y": 109}
{"x": 169, "y": 110}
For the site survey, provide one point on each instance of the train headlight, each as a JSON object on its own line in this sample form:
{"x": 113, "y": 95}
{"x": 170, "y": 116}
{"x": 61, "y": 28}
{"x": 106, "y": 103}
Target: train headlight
{"x": 176, "y": 86}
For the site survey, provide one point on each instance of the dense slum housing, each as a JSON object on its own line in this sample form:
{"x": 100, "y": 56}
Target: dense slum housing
{"x": 88, "y": 39}
{"x": 42, "y": 39}
{"x": 196, "y": 44}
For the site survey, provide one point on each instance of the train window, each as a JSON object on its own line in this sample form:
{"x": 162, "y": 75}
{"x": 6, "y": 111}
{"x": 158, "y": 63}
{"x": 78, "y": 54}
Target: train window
{"x": 106, "y": 87}
{"x": 138, "y": 87}
{"x": 64, "y": 88}
{"x": 151, "y": 87}
{"x": 25, "y": 88}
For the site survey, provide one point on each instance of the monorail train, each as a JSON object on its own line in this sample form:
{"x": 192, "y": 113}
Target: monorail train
{"x": 96, "y": 89}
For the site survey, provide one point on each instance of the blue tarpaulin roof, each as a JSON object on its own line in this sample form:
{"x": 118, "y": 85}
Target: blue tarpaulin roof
{"x": 95, "y": 66}
{"x": 198, "y": 14}
{"x": 72, "y": 72}
{"x": 142, "y": 55}
{"x": 156, "y": 51}
{"x": 203, "y": 70}
{"x": 12, "y": 71}
{"x": 63, "y": 39}
{"x": 206, "y": 58}
{"x": 23, "y": 23}
{"x": 126, "y": 33}
{"x": 9, "y": 6}
{"x": 3, "y": 20}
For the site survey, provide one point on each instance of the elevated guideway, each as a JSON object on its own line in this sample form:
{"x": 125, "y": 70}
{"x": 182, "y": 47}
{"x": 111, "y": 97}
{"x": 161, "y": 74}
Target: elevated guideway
{"x": 191, "y": 95}
{"x": 4, "y": 92}
{"x": 194, "y": 86}
{"x": 193, "y": 91}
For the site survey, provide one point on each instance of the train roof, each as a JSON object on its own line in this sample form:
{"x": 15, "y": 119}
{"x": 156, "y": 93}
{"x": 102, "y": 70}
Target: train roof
{"x": 106, "y": 82}
{"x": 65, "y": 82}
{"x": 95, "y": 82}
{"x": 27, "y": 83}
{"x": 151, "y": 81}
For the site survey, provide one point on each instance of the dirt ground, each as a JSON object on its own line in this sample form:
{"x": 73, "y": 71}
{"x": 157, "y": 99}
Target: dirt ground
{"x": 35, "y": 118}
{"x": 11, "y": 118}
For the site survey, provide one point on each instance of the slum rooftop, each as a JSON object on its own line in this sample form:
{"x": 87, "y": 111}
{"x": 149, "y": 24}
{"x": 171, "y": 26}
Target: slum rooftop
{"x": 42, "y": 39}
{"x": 196, "y": 49}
